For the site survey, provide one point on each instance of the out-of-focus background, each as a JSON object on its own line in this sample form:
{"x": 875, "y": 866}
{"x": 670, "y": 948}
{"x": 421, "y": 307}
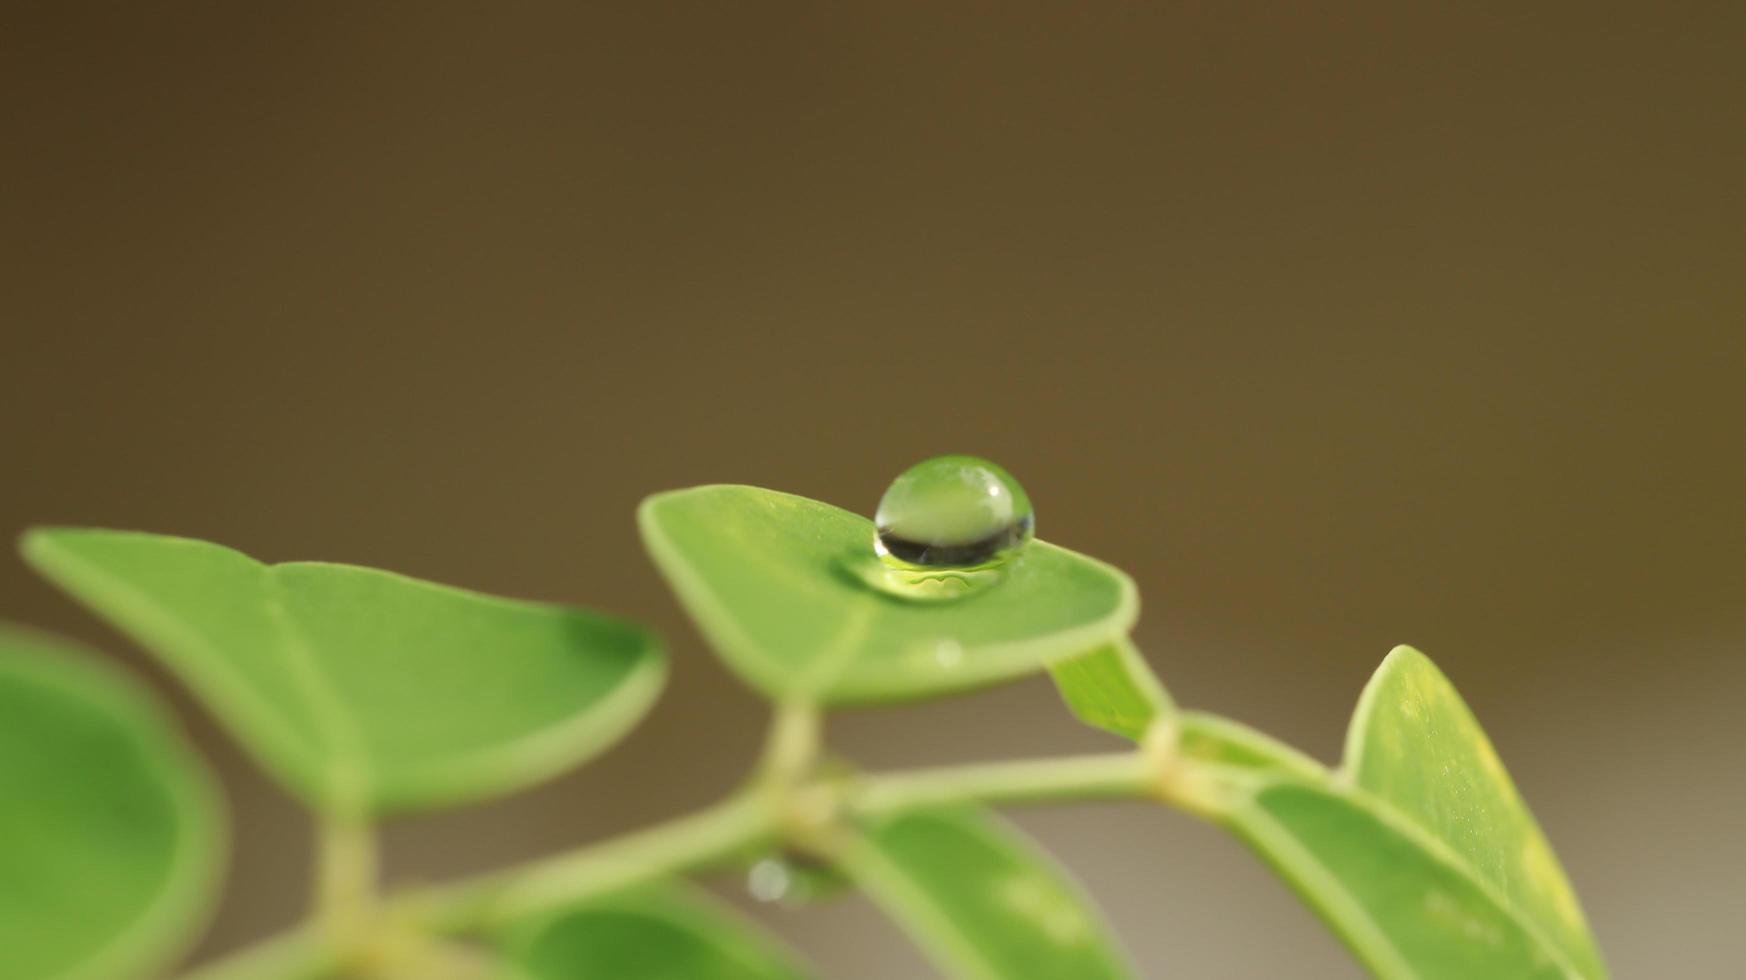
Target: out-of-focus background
{"x": 1336, "y": 327}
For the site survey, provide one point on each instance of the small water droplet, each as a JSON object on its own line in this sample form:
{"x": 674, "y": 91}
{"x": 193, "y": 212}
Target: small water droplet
{"x": 769, "y": 880}
{"x": 793, "y": 879}
{"x": 957, "y": 512}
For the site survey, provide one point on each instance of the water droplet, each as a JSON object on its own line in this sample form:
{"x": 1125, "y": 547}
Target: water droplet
{"x": 793, "y": 879}
{"x": 957, "y": 512}
{"x": 769, "y": 880}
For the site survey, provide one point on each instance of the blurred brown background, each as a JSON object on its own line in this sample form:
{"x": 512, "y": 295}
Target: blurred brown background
{"x": 1337, "y": 327}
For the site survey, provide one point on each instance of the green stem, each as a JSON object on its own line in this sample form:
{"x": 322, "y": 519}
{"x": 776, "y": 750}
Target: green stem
{"x": 796, "y": 731}
{"x": 1113, "y": 775}
{"x": 752, "y": 818}
{"x": 688, "y": 843}
{"x": 345, "y": 876}
{"x": 302, "y": 954}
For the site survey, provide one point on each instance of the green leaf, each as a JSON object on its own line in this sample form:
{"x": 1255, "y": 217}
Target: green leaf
{"x": 656, "y": 933}
{"x": 365, "y": 690}
{"x": 1405, "y": 906}
{"x": 771, "y": 579}
{"x": 111, "y": 830}
{"x": 1415, "y": 744}
{"x": 1418, "y": 853}
{"x": 981, "y": 900}
{"x": 1112, "y": 688}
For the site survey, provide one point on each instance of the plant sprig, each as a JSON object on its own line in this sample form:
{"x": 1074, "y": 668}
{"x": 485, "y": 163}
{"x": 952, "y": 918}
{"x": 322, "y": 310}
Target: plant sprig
{"x": 369, "y": 693}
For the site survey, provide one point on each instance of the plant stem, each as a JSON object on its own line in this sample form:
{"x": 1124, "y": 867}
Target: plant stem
{"x": 752, "y": 818}
{"x": 295, "y": 955}
{"x": 1111, "y": 775}
{"x": 688, "y": 843}
{"x": 792, "y": 744}
{"x": 345, "y": 876}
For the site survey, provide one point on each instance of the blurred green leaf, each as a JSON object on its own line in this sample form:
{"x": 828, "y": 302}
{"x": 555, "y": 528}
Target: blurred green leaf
{"x": 657, "y": 933}
{"x": 1112, "y": 688}
{"x": 1415, "y": 744}
{"x": 1419, "y": 854}
{"x": 770, "y": 579}
{"x": 111, "y": 831}
{"x": 980, "y": 899}
{"x": 363, "y": 689}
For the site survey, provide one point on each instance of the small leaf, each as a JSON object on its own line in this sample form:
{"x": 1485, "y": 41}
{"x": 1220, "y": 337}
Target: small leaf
{"x": 363, "y": 689}
{"x": 1418, "y": 853}
{"x": 1415, "y": 744}
{"x": 769, "y": 578}
{"x": 1402, "y": 903}
{"x": 655, "y": 933}
{"x": 1112, "y": 688}
{"x": 981, "y": 900}
{"x": 111, "y": 830}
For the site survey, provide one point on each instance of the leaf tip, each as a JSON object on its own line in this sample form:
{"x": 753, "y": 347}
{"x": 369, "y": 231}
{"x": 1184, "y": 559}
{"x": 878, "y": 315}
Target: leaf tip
{"x": 648, "y": 520}
{"x": 1403, "y": 654}
{"x": 33, "y": 539}
{"x": 1412, "y": 666}
{"x": 40, "y": 546}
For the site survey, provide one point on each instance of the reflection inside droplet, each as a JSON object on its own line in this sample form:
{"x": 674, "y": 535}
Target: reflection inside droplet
{"x": 922, "y": 584}
{"x": 952, "y": 512}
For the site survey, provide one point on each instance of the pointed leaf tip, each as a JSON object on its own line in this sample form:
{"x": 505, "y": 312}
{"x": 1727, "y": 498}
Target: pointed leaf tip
{"x": 1419, "y": 852}
{"x": 1415, "y": 744}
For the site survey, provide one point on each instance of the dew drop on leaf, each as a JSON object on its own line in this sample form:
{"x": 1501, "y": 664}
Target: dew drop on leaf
{"x": 952, "y": 512}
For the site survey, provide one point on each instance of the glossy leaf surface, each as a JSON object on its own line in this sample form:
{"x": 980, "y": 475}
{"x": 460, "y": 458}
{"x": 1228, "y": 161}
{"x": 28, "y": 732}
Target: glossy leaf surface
{"x": 771, "y": 580}
{"x": 981, "y": 900}
{"x": 111, "y": 833}
{"x": 1415, "y": 744}
{"x": 656, "y": 933}
{"x": 363, "y": 689}
{"x": 1417, "y": 854}
{"x": 1405, "y": 907}
{"x": 1112, "y": 688}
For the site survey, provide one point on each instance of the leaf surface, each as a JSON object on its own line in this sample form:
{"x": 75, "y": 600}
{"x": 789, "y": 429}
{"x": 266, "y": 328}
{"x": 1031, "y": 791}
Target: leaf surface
{"x": 1112, "y": 688}
{"x": 1405, "y": 906}
{"x": 362, "y": 689}
{"x": 663, "y": 932}
{"x": 1415, "y": 744}
{"x": 770, "y": 578}
{"x": 981, "y": 900}
{"x": 1419, "y": 853}
{"x": 111, "y": 830}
